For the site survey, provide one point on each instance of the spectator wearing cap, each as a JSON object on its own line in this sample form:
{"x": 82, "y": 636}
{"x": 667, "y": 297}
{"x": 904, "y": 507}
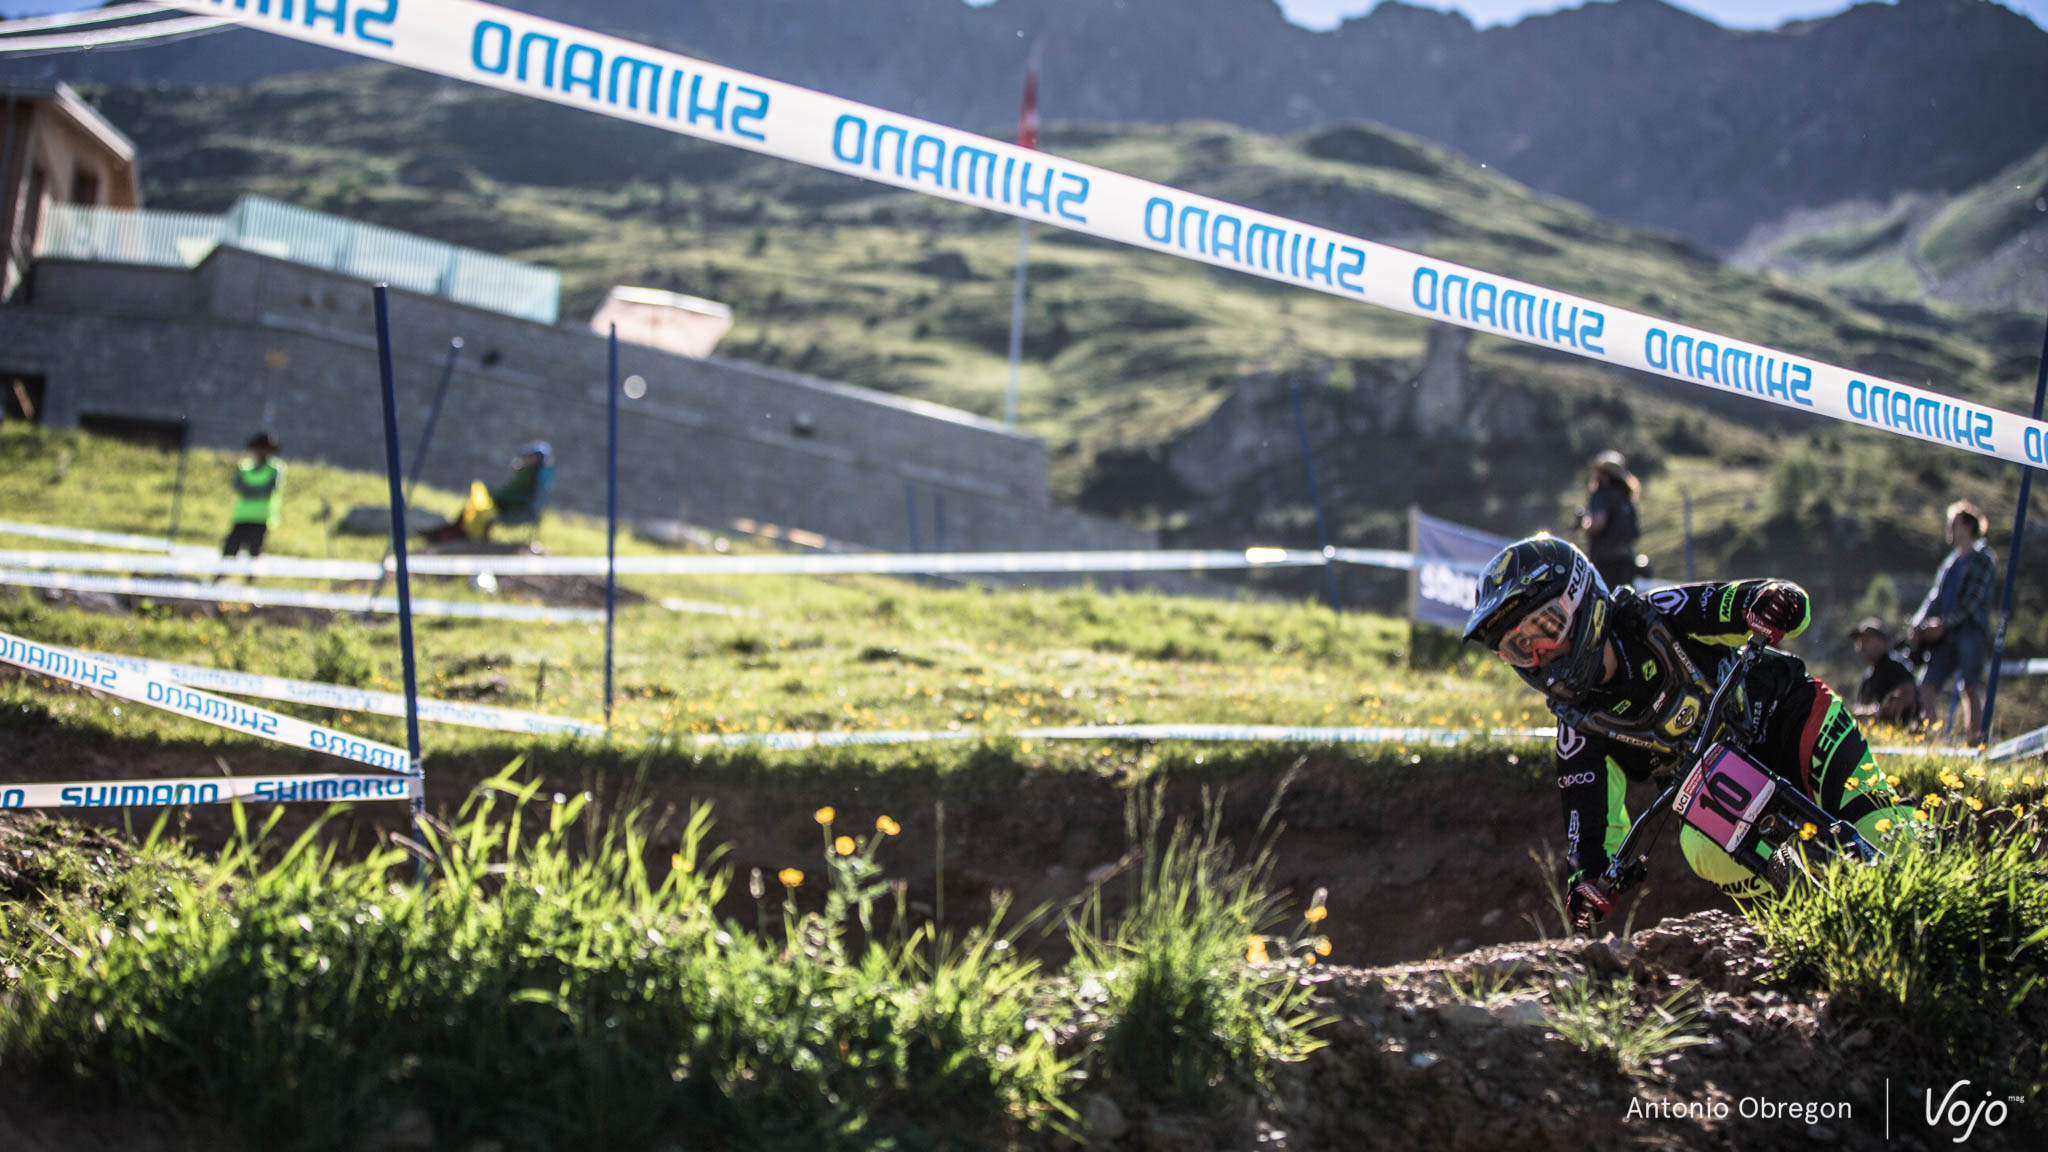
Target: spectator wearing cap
{"x": 518, "y": 500}
{"x": 1609, "y": 518}
{"x": 259, "y": 486}
{"x": 1953, "y": 624}
{"x": 1887, "y": 691}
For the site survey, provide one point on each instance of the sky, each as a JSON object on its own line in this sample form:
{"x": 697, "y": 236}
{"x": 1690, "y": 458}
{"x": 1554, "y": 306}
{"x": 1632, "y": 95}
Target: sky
{"x": 1321, "y": 14}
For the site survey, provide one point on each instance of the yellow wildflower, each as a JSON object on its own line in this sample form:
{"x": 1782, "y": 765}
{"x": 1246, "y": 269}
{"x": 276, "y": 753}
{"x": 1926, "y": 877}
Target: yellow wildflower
{"x": 2027, "y": 780}
{"x": 1884, "y": 825}
{"x": 1975, "y": 804}
{"x": 1255, "y": 950}
{"x": 1951, "y": 780}
{"x": 843, "y": 845}
{"x": 1316, "y": 914}
{"x": 791, "y": 877}
{"x": 1892, "y": 780}
{"x": 1931, "y": 801}
{"x": 1976, "y": 773}
{"x": 824, "y": 815}
{"x": 678, "y": 863}
{"x": 886, "y": 826}
{"x": 2019, "y": 810}
{"x": 1323, "y": 946}
{"x": 1807, "y": 831}
{"x": 1919, "y": 813}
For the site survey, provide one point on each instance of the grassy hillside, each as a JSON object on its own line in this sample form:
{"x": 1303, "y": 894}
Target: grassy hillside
{"x": 1127, "y": 351}
{"x": 1983, "y": 246}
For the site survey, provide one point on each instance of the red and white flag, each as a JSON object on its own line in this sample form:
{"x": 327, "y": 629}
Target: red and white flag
{"x": 1027, "y": 117}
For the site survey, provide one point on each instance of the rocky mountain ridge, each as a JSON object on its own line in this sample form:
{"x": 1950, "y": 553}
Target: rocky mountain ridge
{"x": 1643, "y": 111}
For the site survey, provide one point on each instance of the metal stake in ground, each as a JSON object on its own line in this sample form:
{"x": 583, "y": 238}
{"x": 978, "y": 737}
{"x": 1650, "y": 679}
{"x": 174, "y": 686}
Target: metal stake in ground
{"x": 611, "y": 516}
{"x": 2012, "y": 558}
{"x": 419, "y": 454}
{"x": 393, "y": 470}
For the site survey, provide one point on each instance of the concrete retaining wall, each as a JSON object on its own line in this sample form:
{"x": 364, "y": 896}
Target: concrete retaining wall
{"x": 245, "y": 341}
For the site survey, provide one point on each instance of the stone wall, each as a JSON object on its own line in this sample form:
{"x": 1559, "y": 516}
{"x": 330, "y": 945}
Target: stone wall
{"x": 245, "y": 341}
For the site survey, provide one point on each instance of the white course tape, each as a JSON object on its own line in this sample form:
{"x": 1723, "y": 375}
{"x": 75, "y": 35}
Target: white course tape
{"x": 872, "y": 563}
{"x": 840, "y": 563}
{"x": 1234, "y": 733}
{"x": 220, "y": 790}
{"x": 75, "y": 40}
{"x": 2023, "y": 668}
{"x": 272, "y": 567}
{"x": 129, "y": 684}
{"x": 336, "y": 696}
{"x": 82, "y": 536}
{"x": 514, "y": 52}
{"x": 292, "y": 598}
{"x": 2026, "y": 744}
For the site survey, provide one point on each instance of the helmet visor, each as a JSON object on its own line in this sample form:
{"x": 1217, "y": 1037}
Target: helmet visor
{"x": 1540, "y": 635}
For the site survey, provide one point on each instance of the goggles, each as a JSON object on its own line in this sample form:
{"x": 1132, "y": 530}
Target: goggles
{"x": 1539, "y": 636}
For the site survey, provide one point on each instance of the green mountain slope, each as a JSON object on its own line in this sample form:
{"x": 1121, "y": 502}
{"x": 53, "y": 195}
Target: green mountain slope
{"x": 1130, "y": 354}
{"x": 1986, "y": 246}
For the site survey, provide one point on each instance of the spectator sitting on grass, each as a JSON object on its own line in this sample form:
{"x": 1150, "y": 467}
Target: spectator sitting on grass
{"x": 517, "y": 501}
{"x": 1887, "y": 691}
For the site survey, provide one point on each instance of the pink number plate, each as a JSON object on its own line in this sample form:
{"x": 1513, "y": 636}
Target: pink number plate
{"x": 1723, "y": 796}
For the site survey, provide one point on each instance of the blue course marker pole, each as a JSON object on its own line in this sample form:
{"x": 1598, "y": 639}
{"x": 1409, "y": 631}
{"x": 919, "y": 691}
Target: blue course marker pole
{"x": 2012, "y": 556}
{"x": 178, "y": 486}
{"x": 393, "y": 471}
{"x": 419, "y": 453}
{"x": 611, "y": 517}
{"x": 1315, "y": 495}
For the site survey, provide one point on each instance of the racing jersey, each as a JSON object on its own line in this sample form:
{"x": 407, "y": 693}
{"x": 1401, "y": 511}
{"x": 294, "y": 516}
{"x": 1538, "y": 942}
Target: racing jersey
{"x": 1706, "y": 622}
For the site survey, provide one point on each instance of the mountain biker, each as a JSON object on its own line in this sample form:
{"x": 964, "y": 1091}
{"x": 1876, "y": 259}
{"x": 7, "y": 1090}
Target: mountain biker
{"x": 1628, "y": 677}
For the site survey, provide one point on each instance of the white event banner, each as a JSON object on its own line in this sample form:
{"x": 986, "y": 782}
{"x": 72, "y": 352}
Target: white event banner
{"x": 327, "y": 788}
{"x": 316, "y": 694}
{"x": 562, "y": 64}
{"x": 129, "y": 684}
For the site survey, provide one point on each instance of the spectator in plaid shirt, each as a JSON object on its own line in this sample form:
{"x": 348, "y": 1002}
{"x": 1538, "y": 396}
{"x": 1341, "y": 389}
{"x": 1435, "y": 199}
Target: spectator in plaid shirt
{"x": 1953, "y": 624}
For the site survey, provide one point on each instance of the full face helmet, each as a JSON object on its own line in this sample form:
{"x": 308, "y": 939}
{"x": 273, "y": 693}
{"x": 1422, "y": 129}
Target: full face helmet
{"x": 1544, "y": 609}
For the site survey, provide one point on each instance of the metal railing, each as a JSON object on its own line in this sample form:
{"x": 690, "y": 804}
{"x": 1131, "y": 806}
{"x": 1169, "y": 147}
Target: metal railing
{"x": 303, "y": 236}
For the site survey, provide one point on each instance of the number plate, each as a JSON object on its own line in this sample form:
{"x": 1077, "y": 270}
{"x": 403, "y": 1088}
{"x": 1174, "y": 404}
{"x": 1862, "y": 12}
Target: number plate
{"x": 1724, "y": 795}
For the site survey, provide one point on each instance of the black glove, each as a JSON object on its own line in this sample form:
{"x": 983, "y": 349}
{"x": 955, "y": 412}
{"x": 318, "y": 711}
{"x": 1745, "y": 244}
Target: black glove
{"x": 1586, "y": 904}
{"x": 1777, "y": 608}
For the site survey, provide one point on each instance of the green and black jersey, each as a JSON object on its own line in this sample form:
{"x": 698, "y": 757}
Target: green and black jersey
{"x": 1805, "y": 734}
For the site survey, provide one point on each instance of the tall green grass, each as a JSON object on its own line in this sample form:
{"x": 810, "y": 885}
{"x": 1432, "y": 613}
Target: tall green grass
{"x": 560, "y": 979}
{"x": 1946, "y": 942}
{"x": 1191, "y": 995}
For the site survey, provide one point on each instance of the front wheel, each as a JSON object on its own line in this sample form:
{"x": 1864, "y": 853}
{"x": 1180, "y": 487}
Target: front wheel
{"x": 1783, "y": 865}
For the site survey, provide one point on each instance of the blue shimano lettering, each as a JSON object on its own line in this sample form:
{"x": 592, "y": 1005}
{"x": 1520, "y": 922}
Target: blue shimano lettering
{"x": 1478, "y": 302}
{"x": 1932, "y": 417}
{"x": 973, "y": 171}
{"x": 1706, "y": 361}
{"x": 372, "y": 18}
{"x": 12, "y": 798}
{"x": 545, "y": 60}
{"x": 1226, "y": 238}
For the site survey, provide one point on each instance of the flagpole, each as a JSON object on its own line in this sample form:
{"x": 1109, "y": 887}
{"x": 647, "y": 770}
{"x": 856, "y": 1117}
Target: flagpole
{"x": 1027, "y": 137}
{"x": 1017, "y": 323}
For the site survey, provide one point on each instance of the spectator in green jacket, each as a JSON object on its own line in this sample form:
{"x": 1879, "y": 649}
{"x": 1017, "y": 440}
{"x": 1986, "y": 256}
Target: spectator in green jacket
{"x": 259, "y": 485}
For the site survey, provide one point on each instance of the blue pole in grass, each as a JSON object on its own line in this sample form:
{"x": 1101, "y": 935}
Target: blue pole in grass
{"x": 1315, "y": 495}
{"x": 2012, "y": 558}
{"x": 419, "y": 454}
{"x": 393, "y": 470}
{"x": 611, "y": 516}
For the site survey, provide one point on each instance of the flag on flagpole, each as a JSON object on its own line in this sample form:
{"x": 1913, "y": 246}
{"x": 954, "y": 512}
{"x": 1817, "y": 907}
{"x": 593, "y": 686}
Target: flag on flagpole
{"x": 1027, "y": 117}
